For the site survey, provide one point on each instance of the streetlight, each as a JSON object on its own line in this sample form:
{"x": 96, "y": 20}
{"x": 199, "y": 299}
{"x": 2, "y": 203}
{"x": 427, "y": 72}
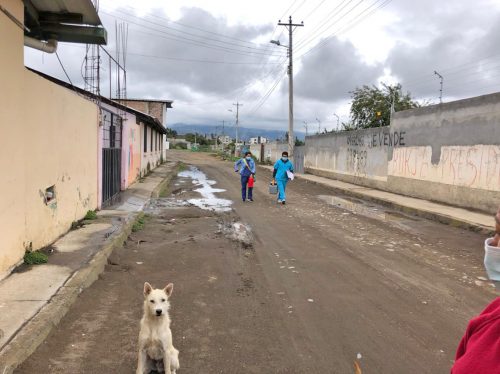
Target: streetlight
{"x": 338, "y": 120}
{"x": 305, "y": 125}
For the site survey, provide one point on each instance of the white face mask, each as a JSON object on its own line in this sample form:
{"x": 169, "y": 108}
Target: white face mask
{"x": 492, "y": 260}
{"x": 248, "y": 158}
{"x": 284, "y": 158}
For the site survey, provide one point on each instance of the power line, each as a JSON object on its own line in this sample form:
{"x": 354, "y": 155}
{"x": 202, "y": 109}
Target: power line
{"x": 184, "y": 40}
{"x": 267, "y": 95}
{"x": 62, "y": 66}
{"x": 195, "y": 28}
{"x": 199, "y": 61}
{"x": 354, "y": 22}
{"x": 233, "y": 44}
{"x": 330, "y": 17}
{"x": 314, "y": 9}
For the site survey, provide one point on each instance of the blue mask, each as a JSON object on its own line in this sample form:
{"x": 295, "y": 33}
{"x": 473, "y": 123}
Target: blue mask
{"x": 284, "y": 158}
{"x": 492, "y": 260}
{"x": 248, "y": 158}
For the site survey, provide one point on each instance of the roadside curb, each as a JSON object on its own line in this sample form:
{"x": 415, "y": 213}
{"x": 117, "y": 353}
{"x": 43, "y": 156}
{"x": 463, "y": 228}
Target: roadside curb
{"x": 39, "y": 327}
{"x": 35, "y": 331}
{"x": 431, "y": 215}
{"x": 165, "y": 182}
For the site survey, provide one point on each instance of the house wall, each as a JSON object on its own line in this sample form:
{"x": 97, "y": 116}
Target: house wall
{"x": 131, "y": 148}
{"x": 151, "y": 157}
{"x": 43, "y": 143}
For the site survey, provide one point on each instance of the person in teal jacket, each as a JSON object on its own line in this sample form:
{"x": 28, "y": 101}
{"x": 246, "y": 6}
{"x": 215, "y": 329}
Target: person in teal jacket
{"x": 280, "y": 175}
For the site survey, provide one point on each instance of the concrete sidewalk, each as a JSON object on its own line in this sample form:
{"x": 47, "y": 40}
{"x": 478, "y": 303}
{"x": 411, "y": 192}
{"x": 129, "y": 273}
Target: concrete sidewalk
{"x": 439, "y": 212}
{"x": 34, "y": 299}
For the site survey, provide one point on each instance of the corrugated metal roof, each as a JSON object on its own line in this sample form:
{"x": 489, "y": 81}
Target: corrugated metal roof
{"x": 83, "y": 7}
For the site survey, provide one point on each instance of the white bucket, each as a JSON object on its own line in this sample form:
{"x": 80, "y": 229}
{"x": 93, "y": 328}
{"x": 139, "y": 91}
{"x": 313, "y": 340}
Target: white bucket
{"x": 492, "y": 260}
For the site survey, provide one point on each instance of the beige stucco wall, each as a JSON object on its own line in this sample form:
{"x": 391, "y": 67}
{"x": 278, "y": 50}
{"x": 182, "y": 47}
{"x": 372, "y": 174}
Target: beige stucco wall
{"x": 48, "y": 136}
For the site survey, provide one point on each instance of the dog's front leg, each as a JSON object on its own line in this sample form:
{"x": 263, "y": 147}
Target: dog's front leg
{"x": 166, "y": 360}
{"x": 141, "y": 362}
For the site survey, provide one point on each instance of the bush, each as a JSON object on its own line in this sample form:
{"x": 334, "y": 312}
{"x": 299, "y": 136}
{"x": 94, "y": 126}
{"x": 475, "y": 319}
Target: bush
{"x": 35, "y": 258}
{"x": 90, "y": 215}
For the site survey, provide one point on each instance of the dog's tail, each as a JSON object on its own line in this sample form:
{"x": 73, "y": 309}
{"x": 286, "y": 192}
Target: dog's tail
{"x": 174, "y": 359}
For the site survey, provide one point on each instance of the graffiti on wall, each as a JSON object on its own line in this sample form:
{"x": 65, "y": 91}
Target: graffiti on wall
{"x": 357, "y": 161}
{"x": 382, "y": 138}
{"x": 475, "y": 166}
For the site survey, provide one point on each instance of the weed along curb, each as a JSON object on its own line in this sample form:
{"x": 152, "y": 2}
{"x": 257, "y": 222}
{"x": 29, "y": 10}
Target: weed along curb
{"x": 157, "y": 192}
{"x": 34, "y": 332}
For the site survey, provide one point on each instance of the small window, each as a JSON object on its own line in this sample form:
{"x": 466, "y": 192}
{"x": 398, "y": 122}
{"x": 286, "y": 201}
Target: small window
{"x": 145, "y": 139}
{"x": 151, "y": 140}
{"x": 50, "y": 195}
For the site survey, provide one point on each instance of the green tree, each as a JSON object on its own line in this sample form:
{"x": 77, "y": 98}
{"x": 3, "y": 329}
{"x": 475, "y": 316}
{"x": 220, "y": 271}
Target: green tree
{"x": 200, "y": 139}
{"x": 371, "y": 106}
{"x": 171, "y": 133}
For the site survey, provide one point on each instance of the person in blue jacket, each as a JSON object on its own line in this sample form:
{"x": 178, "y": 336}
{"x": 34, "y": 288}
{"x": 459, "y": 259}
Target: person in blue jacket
{"x": 246, "y": 167}
{"x": 280, "y": 175}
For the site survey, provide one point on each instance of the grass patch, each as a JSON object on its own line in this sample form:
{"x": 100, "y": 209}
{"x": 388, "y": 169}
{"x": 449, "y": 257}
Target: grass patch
{"x": 35, "y": 258}
{"x": 90, "y": 215}
{"x": 75, "y": 225}
{"x": 181, "y": 167}
{"x": 139, "y": 223}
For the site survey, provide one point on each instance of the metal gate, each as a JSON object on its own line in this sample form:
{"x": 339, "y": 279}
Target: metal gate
{"x": 111, "y": 157}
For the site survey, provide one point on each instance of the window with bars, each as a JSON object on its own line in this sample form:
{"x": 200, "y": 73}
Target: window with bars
{"x": 112, "y": 130}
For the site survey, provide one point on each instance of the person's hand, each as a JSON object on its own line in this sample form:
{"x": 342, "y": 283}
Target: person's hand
{"x": 496, "y": 239}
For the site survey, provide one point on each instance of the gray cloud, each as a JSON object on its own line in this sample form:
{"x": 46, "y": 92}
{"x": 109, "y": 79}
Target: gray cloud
{"x": 330, "y": 72}
{"x": 446, "y": 36}
{"x": 456, "y": 40}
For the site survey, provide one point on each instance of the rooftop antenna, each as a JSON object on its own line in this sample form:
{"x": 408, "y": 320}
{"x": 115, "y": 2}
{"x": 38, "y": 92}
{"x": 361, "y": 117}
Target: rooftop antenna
{"x": 92, "y": 62}
{"x": 441, "y": 79}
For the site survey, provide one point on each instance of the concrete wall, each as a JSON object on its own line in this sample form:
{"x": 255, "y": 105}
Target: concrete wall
{"x": 257, "y": 151}
{"x": 273, "y": 150}
{"x": 48, "y": 137}
{"x": 448, "y": 153}
{"x": 352, "y": 156}
{"x": 451, "y": 153}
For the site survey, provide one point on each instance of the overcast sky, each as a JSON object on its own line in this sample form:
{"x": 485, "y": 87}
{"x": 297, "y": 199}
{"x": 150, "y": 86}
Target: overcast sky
{"x": 206, "y": 55}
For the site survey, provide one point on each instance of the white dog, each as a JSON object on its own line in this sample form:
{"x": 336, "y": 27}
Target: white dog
{"x": 156, "y": 351}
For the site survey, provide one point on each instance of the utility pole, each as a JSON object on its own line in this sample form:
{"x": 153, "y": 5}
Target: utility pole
{"x": 319, "y": 126}
{"x": 223, "y": 138}
{"x": 291, "y": 27}
{"x": 237, "y": 105}
{"x": 305, "y": 125}
{"x": 441, "y": 79}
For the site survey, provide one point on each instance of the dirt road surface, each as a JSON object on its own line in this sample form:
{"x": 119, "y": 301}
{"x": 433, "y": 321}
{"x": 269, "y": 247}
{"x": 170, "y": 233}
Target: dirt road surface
{"x": 309, "y": 287}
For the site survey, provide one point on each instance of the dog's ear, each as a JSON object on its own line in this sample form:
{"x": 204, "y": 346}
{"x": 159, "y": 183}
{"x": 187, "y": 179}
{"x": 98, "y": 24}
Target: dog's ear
{"x": 147, "y": 289}
{"x": 169, "y": 288}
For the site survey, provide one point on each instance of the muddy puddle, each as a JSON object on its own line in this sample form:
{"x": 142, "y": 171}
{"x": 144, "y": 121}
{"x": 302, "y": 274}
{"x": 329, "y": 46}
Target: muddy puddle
{"x": 193, "y": 188}
{"x": 355, "y": 206}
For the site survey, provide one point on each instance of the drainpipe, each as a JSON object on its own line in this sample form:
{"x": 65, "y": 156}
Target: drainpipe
{"x": 49, "y": 46}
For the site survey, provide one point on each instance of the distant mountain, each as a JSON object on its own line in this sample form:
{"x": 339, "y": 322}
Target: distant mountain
{"x": 244, "y": 133}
